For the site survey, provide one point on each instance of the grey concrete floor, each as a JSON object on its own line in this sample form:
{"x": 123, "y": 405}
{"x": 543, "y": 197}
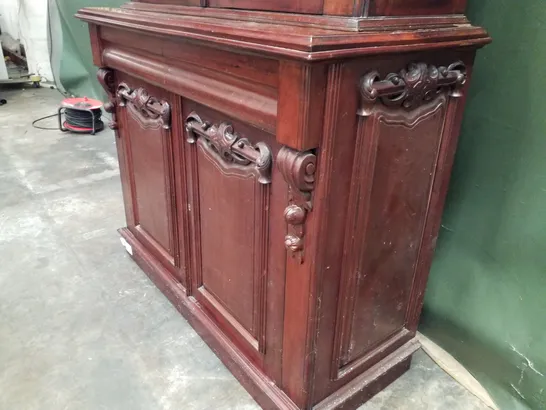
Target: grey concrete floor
{"x": 81, "y": 327}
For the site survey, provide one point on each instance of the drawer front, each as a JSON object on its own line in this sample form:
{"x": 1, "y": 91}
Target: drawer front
{"x": 236, "y": 200}
{"x": 145, "y": 133}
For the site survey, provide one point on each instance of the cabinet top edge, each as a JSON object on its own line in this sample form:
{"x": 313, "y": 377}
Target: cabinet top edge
{"x": 304, "y": 42}
{"x": 333, "y": 22}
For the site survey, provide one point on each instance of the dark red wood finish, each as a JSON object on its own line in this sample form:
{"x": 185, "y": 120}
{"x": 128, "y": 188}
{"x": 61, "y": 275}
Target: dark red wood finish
{"x": 292, "y": 6}
{"x": 236, "y": 252}
{"x": 284, "y": 183}
{"x": 333, "y": 7}
{"x": 415, "y": 7}
{"x": 336, "y": 16}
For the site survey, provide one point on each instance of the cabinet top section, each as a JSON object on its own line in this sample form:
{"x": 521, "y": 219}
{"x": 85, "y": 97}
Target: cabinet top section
{"x": 284, "y": 35}
{"x": 353, "y": 8}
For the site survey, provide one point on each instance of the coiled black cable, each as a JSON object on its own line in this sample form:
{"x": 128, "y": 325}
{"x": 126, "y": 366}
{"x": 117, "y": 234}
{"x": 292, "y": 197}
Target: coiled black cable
{"x": 44, "y": 118}
{"x": 84, "y": 119}
{"x": 77, "y": 120}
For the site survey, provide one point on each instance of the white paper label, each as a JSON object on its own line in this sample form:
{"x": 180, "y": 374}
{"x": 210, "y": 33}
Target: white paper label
{"x": 126, "y": 245}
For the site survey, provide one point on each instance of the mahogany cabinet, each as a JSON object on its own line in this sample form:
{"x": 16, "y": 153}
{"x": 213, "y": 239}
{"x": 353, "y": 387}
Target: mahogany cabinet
{"x": 284, "y": 167}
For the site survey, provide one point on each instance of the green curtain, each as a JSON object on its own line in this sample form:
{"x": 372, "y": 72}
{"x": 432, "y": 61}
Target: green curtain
{"x": 486, "y": 297}
{"x": 77, "y": 74}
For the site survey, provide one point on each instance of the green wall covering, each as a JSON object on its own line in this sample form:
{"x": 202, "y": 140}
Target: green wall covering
{"x": 486, "y": 296}
{"x": 77, "y": 73}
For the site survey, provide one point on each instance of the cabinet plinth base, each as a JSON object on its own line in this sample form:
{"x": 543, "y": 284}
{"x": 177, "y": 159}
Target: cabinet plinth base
{"x": 262, "y": 389}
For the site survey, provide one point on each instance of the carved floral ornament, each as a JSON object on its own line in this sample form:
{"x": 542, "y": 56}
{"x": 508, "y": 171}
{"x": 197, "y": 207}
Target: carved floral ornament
{"x": 147, "y": 110}
{"x": 230, "y": 147}
{"x": 107, "y": 81}
{"x": 298, "y": 169}
{"x": 413, "y": 86}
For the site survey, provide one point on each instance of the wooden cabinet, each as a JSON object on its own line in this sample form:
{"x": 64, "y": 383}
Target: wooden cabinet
{"x": 284, "y": 176}
{"x": 367, "y": 8}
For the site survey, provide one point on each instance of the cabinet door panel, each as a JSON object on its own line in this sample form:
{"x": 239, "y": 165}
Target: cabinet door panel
{"x": 147, "y": 142}
{"x": 151, "y": 190}
{"x": 233, "y": 211}
{"x": 236, "y": 195}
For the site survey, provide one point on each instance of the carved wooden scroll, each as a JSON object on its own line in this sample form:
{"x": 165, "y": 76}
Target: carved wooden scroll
{"x": 147, "y": 110}
{"x": 224, "y": 143}
{"x": 107, "y": 81}
{"x": 411, "y": 87}
{"x": 298, "y": 169}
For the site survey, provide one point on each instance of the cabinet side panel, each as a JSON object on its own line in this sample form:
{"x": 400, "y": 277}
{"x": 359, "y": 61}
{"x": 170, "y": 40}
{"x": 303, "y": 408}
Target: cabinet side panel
{"x": 392, "y": 221}
{"x": 381, "y": 191}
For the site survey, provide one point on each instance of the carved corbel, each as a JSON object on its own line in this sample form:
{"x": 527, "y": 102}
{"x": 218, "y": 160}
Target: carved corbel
{"x": 413, "y": 86}
{"x": 298, "y": 169}
{"x": 107, "y": 81}
{"x": 147, "y": 110}
{"x": 230, "y": 148}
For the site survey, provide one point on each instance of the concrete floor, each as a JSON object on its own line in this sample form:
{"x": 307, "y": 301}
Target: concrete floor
{"x": 81, "y": 327}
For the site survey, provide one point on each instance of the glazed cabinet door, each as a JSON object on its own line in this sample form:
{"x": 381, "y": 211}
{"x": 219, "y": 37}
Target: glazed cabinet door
{"x": 236, "y": 202}
{"x": 145, "y": 134}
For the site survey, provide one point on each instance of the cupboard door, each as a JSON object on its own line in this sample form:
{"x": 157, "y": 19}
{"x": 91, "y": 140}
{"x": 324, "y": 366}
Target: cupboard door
{"x": 237, "y": 199}
{"x": 145, "y": 128}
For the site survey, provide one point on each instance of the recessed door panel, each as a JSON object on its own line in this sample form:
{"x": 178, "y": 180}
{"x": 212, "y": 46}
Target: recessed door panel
{"x": 147, "y": 134}
{"x": 233, "y": 225}
{"x": 152, "y": 202}
{"x": 236, "y": 196}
